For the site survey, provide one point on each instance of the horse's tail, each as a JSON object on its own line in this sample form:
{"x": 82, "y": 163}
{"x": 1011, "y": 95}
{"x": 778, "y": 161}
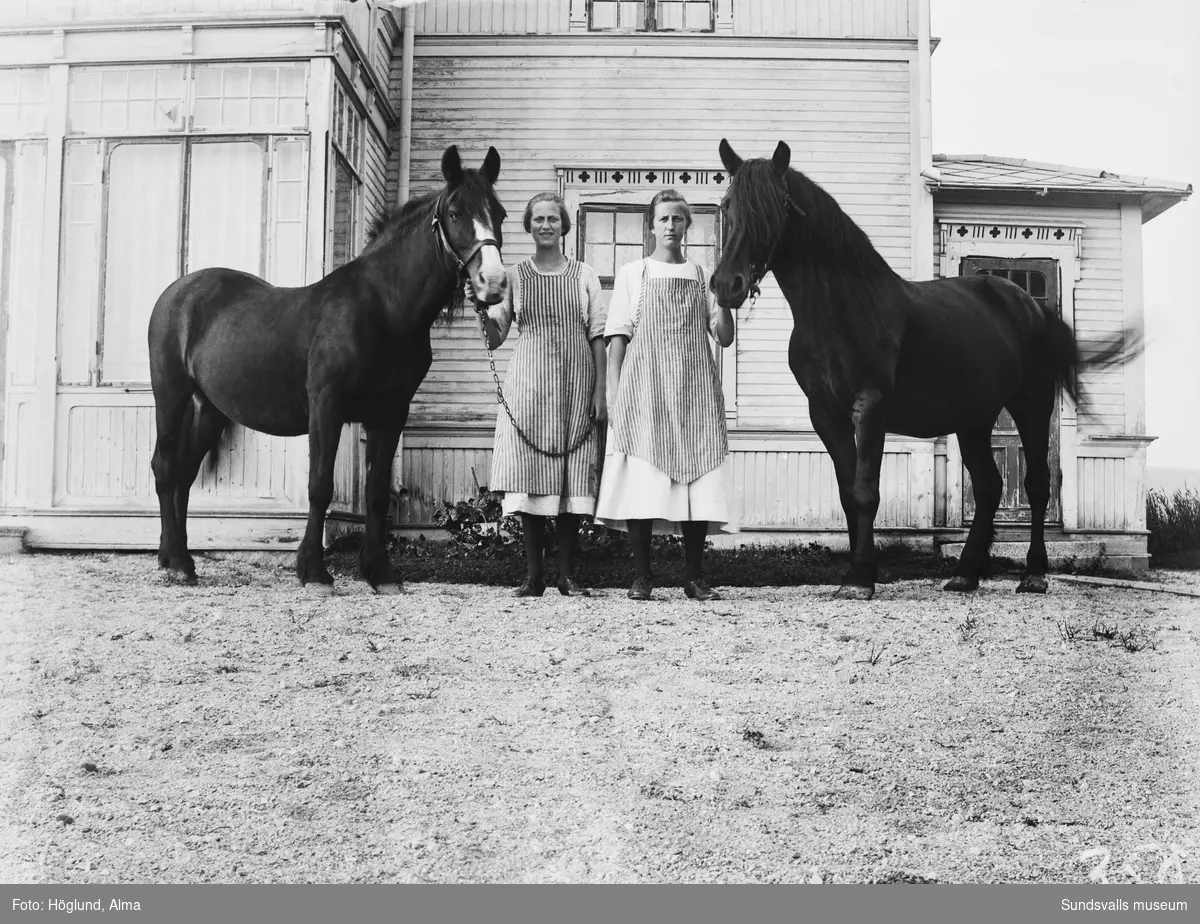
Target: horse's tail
{"x": 1067, "y": 356}
{"x": 1062, "y": 354}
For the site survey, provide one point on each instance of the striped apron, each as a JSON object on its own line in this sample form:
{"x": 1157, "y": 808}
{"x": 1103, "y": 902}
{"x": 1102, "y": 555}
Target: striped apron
{"x": 549, "y": 385}
{"x": 670, "y": 410}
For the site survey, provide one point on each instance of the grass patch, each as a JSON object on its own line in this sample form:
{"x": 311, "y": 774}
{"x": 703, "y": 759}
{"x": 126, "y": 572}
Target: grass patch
{"x": 1174, "y": 524}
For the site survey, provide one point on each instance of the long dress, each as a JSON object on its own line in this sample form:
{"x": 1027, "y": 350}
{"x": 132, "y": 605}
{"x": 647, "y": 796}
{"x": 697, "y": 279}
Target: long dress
{"x": 549, "y": 387}
{"x": 667, "y": 447}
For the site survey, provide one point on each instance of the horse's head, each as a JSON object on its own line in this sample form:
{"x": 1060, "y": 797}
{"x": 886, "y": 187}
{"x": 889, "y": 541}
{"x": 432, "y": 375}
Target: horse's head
{"x": 755, "y": 210}
{"x": 471, "y": 216}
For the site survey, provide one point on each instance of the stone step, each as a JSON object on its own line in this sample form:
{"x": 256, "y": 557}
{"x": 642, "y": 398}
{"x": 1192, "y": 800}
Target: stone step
{"x": 12, "y": 539}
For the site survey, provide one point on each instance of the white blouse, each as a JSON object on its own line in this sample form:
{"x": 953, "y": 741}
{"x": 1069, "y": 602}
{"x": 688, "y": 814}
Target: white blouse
{"x": 627, "y": 293}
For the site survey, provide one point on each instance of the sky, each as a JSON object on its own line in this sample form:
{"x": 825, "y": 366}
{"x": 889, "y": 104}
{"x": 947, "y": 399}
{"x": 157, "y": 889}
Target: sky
{"x": 1105, "y": 84}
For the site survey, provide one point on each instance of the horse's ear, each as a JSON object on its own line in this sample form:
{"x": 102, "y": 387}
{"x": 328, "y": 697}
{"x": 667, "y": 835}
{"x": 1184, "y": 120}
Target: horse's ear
{"x": 452, "y": 166}
{"x": 491, "y": 166}
{"x": 781, "y": 158}
{"x": 730, "y": 159}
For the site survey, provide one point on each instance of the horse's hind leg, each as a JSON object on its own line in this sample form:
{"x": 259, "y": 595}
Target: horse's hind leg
{"x": 324, "y": 431}
{"x": 976, "y": 449}
{"x": 202, "y": 429}
{"x": 373, "y": 557}
{"x": 172, "y": 407}
{"x": 1033, "y": 423}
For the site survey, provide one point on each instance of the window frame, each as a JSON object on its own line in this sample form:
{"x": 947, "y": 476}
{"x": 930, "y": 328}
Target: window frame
{"x": 581, "y": 243}
{"x": 650, "y": 20}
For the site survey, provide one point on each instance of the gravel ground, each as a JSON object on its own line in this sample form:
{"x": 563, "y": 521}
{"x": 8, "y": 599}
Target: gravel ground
{"x": 244, "y": 730}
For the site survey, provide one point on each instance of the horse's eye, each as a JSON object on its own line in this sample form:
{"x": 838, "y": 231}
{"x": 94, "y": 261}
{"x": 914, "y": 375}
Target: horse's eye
{"x": 454, "y": 214}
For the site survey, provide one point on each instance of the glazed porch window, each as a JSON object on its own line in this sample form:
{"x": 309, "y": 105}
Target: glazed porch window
{"x": 651, "y": 15}
{"x": 168, "y": 170}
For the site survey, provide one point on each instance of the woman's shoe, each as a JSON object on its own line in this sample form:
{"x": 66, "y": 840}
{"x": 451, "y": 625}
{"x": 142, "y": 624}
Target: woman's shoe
{"x": 698, "y": 590}
{"x": 530, "y": 589}
{"x": 641, "y": 588}
{"x": 569, "y": 587}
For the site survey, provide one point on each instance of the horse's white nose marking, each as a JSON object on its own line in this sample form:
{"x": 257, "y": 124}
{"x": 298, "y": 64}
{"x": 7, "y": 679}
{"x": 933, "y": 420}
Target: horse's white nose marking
{"x": 490, "y": 264}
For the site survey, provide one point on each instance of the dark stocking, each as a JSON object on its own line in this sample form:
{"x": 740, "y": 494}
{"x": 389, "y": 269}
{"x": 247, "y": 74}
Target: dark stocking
{"x": 694, "y": 533}
{"x": 639, "y": 538}
{"x": 534, "y": 528}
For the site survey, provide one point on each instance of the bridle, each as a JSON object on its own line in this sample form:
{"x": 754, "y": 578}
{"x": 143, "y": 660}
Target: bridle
{"x": 447, "y": 248}
{"x": 758, "y": 271}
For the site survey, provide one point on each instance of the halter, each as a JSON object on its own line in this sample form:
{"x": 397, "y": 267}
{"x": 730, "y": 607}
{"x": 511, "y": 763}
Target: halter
{"x": 759, "y": 271}
{"x": 444, "y": 242}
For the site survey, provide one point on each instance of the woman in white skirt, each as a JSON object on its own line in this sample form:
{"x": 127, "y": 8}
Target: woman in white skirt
{"x": 555, "y": 389}
{"x": 663, "y": 471}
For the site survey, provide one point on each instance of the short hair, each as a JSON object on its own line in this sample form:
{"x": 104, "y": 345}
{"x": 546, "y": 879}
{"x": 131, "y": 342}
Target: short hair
{"x": 547, "y": 197}
{"x": 671, "y": 195}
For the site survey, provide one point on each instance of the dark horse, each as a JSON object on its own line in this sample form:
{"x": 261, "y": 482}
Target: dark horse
{"x": 876, "y": 354}
{"x": 227, "y": 346}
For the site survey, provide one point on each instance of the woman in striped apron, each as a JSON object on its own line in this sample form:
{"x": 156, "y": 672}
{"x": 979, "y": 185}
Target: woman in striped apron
{"x": 555, "y": 389}
{"x": 667, "y": 446}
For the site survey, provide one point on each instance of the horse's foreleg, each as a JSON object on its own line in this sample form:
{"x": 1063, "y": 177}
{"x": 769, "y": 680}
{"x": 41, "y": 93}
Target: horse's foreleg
{"x": 373, "y": 557}
{"x": 869, "y": 433}
{"x": 976, "y": 449}
{"x": 171, "y": 414}
{"x": 1034, "y": 427}
{"x": 837, "y": 433}
{"x": 324, "y": 431}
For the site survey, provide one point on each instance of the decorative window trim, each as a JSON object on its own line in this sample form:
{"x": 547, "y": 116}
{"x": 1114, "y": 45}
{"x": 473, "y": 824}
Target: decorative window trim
{"x": 682, "y": 178}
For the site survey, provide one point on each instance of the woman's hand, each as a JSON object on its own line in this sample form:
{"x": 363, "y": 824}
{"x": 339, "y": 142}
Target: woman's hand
{"x": 600, "y": 405}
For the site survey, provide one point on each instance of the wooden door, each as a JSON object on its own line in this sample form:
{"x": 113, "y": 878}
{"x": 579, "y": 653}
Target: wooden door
{"x": 1040, "y": 279}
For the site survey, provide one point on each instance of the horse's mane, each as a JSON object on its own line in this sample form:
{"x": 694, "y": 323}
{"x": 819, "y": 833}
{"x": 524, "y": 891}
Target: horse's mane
{"x": 410, "y": 218}
{"x": 844, "y": 281}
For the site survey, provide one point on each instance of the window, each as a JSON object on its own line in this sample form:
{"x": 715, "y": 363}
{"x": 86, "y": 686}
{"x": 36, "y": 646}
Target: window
{"x": 22, "y": 101}
{"x": 347, "y": 186}
{"x": 139, "y": 213}
{"x": 613, "y": 235}
{"x": 651, "y": 15}
{"x": 176, "y": 98}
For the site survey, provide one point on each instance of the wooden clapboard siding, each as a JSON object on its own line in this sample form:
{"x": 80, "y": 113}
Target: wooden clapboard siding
{"x": 826, "y": 18}
{"x": 377, "y": 155}
{"x": 798, "y": 489}
{"x": 107, "y": 462}
{"x": 1099, "y": 297}
{"x": 771, "y": 488}
{"x": 435, "y": 474}
{"x": 495, "y": 17}
{"x": 847, "y": 121}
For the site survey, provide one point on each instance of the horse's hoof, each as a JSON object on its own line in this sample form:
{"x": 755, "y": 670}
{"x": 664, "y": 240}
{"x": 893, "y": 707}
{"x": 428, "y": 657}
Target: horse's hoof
{"x": 390, "y": 590}
{"x": 854, "y": 592}
{"x": 964, "y": 585}
{"x": 1033, "y": 584}
{"x": 182, "y": 578}
{"x": 316, "y": 589}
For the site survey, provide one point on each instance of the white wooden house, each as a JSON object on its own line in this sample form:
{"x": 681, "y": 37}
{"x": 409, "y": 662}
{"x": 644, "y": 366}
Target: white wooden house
{"x": 349, "y": 106}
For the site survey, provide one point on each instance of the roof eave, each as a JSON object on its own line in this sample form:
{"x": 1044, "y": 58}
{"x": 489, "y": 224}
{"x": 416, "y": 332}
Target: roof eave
{"x": 1154, "y": 201}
